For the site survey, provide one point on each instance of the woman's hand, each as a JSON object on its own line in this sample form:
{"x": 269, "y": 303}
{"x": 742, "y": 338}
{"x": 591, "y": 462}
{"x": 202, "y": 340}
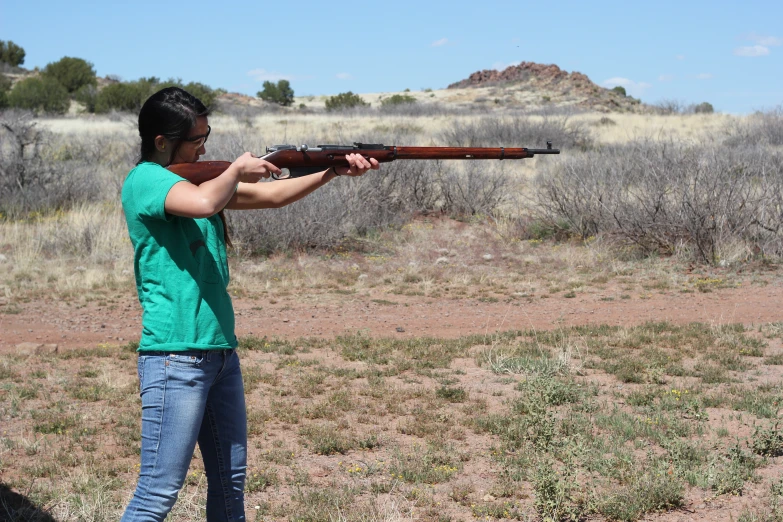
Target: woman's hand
{"x": 252, "y": 169}
{"x": 358, "y": 165}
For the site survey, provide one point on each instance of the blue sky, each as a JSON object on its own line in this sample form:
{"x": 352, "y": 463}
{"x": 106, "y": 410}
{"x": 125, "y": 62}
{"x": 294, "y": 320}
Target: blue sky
{"x": 727, "y": 53}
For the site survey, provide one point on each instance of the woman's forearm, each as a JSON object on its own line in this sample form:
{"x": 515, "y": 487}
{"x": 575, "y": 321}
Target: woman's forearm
{"x": 278, "y": 193}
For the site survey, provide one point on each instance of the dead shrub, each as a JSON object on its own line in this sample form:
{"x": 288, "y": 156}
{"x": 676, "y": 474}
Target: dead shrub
{"x": 36, "y": 176}
{"x": 663, "y": 196}
{"x": 517, "y": 131}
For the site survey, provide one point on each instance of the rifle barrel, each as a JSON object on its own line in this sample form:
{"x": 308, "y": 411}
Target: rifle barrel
{"x": 455, "y": 153}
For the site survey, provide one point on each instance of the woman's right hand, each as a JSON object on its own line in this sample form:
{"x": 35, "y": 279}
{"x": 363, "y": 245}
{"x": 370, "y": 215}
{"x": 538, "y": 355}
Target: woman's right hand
{"x": 252, "y": 169}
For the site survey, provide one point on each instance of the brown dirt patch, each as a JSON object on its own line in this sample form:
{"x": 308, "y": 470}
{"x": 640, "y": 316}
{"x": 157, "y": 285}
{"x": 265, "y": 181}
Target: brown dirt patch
{"x": 325, "y": 315}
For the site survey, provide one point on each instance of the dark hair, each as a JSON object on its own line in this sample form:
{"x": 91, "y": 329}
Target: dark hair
{"x": 171, "y": 112}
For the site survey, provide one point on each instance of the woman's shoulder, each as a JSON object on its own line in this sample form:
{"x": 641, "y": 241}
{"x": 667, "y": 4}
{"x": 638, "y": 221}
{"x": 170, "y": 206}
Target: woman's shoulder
{"x": 145, "y": 188}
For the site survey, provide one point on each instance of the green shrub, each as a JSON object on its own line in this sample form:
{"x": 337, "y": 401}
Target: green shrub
{"x": 704, "y": 108}
{"x": 345, "y": 100}
{"x": 11, "y": 53}
{"x": 205, "y": 93}
{"x": 280, "y": 93}
{"x": 87, "y": 95}
{"x": 620, "y": 90}
{"x": 72, "y": 73}
{"x": 39, "y": 94}
{"x": 130, "y": 96}
{"x": 126, "y": 96}
{"x": 398, "y": 99}
{"x": 5, "y": 87}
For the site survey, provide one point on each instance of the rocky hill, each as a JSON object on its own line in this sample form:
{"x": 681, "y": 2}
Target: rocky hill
{"x": 532, "y": 83}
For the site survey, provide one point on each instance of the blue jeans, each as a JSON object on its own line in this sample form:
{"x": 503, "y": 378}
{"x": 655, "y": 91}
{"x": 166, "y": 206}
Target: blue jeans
{"x": 189, "y": 397}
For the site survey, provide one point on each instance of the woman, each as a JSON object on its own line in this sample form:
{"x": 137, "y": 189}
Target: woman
{"x": 190, "y": 381}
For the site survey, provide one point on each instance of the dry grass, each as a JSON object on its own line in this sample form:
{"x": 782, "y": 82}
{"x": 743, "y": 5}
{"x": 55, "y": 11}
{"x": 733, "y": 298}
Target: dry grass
{"x": 429, "y": 429}
{"x": 437, "y": 258}
{"x": 87, "y": 248}
{"x": 287, "y": 128}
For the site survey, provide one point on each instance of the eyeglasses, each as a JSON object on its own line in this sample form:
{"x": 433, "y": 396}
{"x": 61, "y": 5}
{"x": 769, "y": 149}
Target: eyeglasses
{"x": 198, "y": 141}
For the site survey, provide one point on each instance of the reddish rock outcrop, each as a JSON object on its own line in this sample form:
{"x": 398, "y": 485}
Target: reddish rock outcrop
{"x": 548, "y": 76}
{"x": 552, "y": 84}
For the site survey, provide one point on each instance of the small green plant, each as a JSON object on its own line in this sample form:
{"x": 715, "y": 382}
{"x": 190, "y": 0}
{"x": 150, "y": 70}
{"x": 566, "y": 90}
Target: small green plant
{"x": 655, "y": 490}
{"x": 260, "y": 480}
{"x": 452, "y": 394}
{"x": 557, "y": 494}
{"x": 768, "y": 442}
{"x": 704, "y": 108}
{"x": 327, "y": 439}
{"x": 619, "y": 90}
{"x": 344, "y": 100}
{"x": 280, "y": 93}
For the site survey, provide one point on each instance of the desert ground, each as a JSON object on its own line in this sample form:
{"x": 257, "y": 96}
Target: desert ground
{"x": 444, "y": 368}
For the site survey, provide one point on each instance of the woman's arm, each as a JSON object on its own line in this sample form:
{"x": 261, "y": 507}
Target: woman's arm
{"x": 283, "y": 192}
{"x": 209, "y": 198}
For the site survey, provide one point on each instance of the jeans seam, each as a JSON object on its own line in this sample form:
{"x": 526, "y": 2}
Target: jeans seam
{"x": 160, "y": 428}
{"x": 224, "y": 482}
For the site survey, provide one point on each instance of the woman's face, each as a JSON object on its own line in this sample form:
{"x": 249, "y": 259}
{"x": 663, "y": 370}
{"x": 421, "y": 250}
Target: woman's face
{"x": 193, "y": 146}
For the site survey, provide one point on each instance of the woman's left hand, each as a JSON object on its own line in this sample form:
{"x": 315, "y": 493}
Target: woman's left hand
{"x": 358, "y": 165}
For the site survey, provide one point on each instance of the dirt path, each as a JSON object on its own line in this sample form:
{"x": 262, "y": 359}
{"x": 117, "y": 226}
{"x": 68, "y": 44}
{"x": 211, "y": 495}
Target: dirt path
{"x": 78, "y": 325}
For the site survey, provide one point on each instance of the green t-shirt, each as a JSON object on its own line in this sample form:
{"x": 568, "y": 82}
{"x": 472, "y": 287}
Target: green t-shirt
{"x": 181, "y": 268}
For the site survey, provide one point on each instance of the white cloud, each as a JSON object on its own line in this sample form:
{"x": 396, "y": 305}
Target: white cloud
{"x": 704, "y": 76}
{"x": 765, "y": 41}
{"x": 261, "y": 75}
{"x": 438, "y": 43}
{"x": 344, "y": 76}
{"x": 665, "y": 77}
{"x": 752, "y": 50}
{"x": 633, "y": 88}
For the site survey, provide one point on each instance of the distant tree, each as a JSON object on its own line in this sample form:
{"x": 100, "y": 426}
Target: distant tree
{"x": 620, "y": 90}
{"x": 704, "y": 108}
{"x": 398, "y": 99}
{"x": 11, "y": 53}
{"x": 39, "y": 94}
{"x": 280, "y": 93}
{"x": 72, "y": 73}
{"x": 344, "y": 100}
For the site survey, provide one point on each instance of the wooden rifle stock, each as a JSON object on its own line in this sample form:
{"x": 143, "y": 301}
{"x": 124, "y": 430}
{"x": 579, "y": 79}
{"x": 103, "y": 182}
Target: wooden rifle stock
{"x": 304, "y": 160}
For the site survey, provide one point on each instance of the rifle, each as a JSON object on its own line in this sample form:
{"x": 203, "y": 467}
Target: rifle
{"x": 303, "y": 160}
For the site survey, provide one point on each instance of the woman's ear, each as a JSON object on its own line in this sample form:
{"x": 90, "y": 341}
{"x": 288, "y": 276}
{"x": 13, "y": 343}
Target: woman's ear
{"x": 160, "y": 143}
